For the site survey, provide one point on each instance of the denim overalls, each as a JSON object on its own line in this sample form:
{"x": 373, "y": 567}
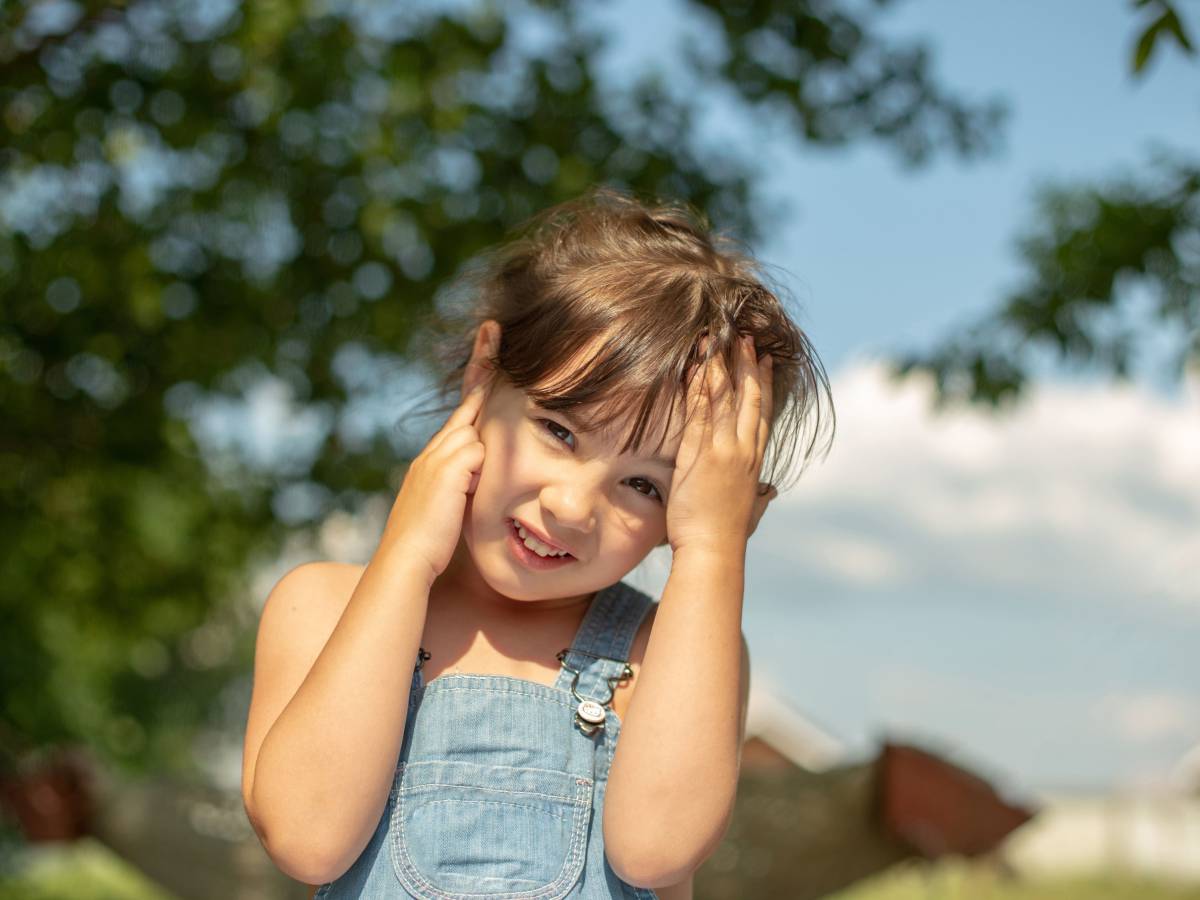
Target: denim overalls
{"x": 499, "y": 788}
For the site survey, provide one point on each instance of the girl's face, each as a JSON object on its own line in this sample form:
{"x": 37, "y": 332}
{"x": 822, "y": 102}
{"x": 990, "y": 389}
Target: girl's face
{"x": 541, "y": 473}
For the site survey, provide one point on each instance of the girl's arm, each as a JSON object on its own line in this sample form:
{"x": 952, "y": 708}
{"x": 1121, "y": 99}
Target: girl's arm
{"x": 331, "y": 677}
{"x": 674, "y": 775}
{"x": 333, "y": 666}
{"x": 681, "y": 891}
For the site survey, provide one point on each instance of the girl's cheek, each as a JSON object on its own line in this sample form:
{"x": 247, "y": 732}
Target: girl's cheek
{"x": 530, "y": 452}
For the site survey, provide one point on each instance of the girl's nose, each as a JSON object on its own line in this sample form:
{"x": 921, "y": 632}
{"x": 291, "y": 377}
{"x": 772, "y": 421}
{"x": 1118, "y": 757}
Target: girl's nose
{"x": 571, "y": 505}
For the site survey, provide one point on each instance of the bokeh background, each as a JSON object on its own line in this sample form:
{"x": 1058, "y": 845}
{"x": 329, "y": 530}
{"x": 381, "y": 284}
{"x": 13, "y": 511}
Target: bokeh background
{"x": 975, "y": 624}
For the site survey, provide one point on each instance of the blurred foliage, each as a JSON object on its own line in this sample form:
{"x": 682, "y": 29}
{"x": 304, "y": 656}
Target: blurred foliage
{"x": 81, "y": 870}
{"x": 197, "y": 200}
{"x": 1165, "y": 22}
{"x": 1087, "y": 254}
{"x": 1087, "y": 251}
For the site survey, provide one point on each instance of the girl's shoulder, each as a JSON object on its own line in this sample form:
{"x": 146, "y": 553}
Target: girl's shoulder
{"x": 318, "y": 586}
{"x": 305, "y": 605}
{"x": 328, "y": 581}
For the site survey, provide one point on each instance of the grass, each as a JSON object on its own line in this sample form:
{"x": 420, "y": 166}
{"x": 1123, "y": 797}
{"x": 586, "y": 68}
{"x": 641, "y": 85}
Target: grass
{"x": 86, "y": 870}
{"x": 82, "y": 870}
{"x": 962, "y": 881}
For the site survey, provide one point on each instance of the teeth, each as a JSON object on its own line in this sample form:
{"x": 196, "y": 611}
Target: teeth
{"x": 537, "y": 546}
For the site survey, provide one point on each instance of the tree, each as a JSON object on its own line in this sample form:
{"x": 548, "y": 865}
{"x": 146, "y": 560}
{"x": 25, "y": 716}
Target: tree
{"x": 196, "y": 197}
{"x": 1088, "y": 250}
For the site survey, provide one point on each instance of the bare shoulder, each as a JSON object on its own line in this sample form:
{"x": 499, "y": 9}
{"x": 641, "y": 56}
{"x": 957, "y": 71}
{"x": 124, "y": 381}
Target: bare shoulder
{"x": 304, "y": 607}
{"x": 297, "y": 619}
{"x": 299, "y": 616}
{"x": 300, "y": 613}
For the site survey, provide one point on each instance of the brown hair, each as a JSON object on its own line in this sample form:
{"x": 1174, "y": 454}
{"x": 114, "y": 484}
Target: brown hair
{"x": 649, "y": 281}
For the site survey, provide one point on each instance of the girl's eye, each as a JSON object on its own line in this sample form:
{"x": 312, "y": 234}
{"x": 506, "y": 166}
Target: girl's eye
{"x": 554, "y": 428}
{"x": 564, "y": 434}
{"x": 657, "y": 495}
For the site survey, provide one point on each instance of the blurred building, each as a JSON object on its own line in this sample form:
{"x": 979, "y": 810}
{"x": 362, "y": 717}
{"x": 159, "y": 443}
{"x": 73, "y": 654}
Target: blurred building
{"x": 1151, "y": 831}
{"x": 779, "y": 736}
{"x": 810, "y": 820}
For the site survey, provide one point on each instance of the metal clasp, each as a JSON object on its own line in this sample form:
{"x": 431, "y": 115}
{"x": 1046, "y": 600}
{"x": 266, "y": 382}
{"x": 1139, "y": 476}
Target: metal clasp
{"x": 589, "y": 714}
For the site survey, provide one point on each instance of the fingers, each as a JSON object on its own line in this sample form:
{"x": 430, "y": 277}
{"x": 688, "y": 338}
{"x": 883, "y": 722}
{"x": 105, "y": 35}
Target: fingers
{"x": 465, "y": 414}
{"x": 697, "y": 418}
{"x": 766, "y": 380}
{"x": 754, "y": 396}
{"x": 732, "y": 409}
{"x": 721, "y": 396}
{"x": 749, "y": 393}
{"x": 739, "y": 404}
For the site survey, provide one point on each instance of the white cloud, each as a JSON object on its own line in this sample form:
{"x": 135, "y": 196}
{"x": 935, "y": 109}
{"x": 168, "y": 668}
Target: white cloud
{"x": 857, "y": 558}
{"x": 1148, "y": 716}
{"x": 1084, "y": 491}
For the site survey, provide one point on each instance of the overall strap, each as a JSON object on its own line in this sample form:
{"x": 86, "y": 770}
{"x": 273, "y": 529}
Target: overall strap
{"x": 418, "y": 676}
{"x": 601, "y": 646}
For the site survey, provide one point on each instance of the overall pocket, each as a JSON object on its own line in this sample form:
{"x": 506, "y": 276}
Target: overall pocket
{"x": 464, "y": 830}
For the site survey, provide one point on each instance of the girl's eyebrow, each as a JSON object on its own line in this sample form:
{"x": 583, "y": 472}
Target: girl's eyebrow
{"x": 570, "y": 420}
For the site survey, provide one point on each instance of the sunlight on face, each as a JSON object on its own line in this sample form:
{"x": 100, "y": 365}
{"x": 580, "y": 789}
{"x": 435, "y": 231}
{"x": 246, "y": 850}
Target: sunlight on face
{"x": 607, "y": 509}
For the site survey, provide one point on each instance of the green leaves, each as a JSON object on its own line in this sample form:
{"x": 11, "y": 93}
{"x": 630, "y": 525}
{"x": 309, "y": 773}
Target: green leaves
{"x": 1092, "y": 254}
{"x": 1167, "y": 23}
{"x": 1088, "y": 253}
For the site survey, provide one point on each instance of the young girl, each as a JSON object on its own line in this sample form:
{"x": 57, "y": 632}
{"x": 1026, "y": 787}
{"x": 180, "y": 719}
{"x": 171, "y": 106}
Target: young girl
{"x": 485, "y": 710}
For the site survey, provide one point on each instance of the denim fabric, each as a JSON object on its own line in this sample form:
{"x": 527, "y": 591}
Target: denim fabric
{"x": 498, "y": 793}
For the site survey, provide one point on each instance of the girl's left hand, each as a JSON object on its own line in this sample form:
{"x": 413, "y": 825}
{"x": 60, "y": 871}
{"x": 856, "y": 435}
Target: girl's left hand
{"x": 715, "y": 500}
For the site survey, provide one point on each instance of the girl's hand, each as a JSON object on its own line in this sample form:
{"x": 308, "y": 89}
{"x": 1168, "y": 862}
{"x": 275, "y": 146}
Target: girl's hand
{"x": 716, "y": 499}
{"x": 426, "y": 519}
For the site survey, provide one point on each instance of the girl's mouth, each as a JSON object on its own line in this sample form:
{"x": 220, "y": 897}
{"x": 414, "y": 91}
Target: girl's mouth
{"x": 528, "y": 557}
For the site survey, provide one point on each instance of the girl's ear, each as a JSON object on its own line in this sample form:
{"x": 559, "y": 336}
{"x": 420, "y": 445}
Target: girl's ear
{"x": 487, "y": 346}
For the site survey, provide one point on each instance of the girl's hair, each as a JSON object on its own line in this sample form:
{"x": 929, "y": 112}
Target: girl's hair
{"x": 633, "y": 288}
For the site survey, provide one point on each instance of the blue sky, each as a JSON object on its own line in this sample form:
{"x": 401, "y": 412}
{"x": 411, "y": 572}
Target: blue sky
{"x": 1049, "y": 657}
{"x": 940, "y": 238}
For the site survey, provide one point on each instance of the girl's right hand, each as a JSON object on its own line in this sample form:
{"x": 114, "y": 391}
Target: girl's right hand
{"x": 426, "y": 519}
